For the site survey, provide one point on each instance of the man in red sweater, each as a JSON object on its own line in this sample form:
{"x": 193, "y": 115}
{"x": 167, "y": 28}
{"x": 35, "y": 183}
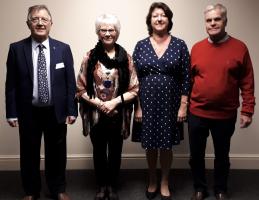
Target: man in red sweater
{"x": 221, "y": 67}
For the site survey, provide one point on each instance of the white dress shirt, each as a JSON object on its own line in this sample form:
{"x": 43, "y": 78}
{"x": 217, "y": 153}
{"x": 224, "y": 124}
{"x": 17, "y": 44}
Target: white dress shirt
{"x": 35, "y": 53}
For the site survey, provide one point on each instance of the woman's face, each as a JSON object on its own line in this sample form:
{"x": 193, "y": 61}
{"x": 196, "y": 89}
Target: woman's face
{"x": 159, "y": 21}
{"x": 108, "y": 35}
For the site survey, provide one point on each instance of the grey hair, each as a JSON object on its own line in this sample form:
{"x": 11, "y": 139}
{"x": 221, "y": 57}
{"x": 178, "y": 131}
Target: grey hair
{"x": 218, "y": 6}
{"x": 37, "y": 8}
{"x": 107, "y": 19}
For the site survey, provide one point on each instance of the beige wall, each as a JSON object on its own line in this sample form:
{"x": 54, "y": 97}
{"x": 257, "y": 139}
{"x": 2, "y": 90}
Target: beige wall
{"x": 74, "y": 24}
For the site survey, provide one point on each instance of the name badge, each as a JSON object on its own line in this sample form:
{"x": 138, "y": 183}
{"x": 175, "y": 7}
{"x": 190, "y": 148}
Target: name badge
{"x": 60, "y": 65}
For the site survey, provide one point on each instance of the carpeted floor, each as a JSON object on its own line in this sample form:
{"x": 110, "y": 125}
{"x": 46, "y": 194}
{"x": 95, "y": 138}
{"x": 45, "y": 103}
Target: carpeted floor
{"x": 243, "y": 185}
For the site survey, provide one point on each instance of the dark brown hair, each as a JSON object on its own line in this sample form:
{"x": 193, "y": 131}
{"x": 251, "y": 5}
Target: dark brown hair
{"x": 168, "y": 14}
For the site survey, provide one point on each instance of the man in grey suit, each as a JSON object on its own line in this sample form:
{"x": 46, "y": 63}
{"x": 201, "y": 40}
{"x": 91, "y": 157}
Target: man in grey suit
{"x": 40, "y": 98}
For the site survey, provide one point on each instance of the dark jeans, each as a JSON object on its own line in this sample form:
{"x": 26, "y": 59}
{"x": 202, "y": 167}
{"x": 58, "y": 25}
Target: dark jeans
{"x": 107, "y": 147}
{"x": 42, "y": 123}
{"x": 221, "y": 132}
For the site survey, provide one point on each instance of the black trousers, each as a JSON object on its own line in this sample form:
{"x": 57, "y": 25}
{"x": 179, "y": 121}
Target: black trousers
{"x": 221, "y": 132}
{"x": 43, "y": 122}
{"x": 107, "y": 147}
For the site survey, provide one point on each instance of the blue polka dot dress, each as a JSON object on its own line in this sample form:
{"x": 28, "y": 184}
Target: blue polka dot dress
{"x": 162, "y": 82}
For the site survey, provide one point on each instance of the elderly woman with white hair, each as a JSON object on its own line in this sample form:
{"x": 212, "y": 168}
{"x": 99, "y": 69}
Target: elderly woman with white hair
{"x": 106, "y": 85}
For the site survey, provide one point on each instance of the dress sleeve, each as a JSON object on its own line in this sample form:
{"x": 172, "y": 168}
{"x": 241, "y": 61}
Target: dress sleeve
{"x": 81, "y": 77}
{"x": 135, "y": 55}
{"x": 133, "y": 80}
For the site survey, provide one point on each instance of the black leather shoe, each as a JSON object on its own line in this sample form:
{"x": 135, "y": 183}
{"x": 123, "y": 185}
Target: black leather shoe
{"x": 199, "y": 195}
{"x": 29, "y": 198}
{"x": 112, "y": 194}
{"x": 63, "y": 196}
{"x": 100, "y": 194}
{"x": 59, "y": 196}
{"x": 151, "y": 195}
{"x": 220, "y": 196}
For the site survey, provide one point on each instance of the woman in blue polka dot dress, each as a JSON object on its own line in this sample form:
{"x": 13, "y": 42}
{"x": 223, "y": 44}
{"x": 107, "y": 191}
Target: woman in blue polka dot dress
{"x": 162, "y": 63}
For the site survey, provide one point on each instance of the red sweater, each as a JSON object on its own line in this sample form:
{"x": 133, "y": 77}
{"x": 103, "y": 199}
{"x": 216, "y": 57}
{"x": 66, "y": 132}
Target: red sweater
{"x": 219, "y": 71}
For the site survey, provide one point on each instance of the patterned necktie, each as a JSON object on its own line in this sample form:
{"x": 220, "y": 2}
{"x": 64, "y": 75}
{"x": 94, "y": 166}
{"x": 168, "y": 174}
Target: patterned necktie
{"x": 43, "y": 90}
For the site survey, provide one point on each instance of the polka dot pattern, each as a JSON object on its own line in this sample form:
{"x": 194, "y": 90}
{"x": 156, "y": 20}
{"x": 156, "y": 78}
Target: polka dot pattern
{"x": 43, "y": 90}
{"x": 162, "y": 82}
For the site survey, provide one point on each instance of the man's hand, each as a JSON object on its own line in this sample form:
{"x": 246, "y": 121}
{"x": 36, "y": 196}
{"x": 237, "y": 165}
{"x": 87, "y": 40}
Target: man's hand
{"x": 70, "y": 119}
{"x": 13, "y": 123}
{"x": 245, "y": 121}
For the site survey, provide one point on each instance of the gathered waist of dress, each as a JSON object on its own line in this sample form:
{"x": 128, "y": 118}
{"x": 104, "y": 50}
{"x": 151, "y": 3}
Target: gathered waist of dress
{"x": 143, "y": 75}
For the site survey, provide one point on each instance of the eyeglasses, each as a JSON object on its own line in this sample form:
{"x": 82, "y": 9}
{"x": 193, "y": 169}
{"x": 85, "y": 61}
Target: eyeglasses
{"x": 104, "y": 31}
{"x": 36, "y": 20}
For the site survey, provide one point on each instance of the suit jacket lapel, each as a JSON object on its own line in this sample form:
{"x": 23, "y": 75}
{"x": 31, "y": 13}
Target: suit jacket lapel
{"x": 28, "y": 56}
{"x": 53, "y": 49}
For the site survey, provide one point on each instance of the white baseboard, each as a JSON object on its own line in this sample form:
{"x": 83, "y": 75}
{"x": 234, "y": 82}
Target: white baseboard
{"x": 137, "y": 161}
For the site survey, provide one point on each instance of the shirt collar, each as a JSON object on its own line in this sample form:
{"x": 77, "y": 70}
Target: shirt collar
{"x": 36, "y": 44}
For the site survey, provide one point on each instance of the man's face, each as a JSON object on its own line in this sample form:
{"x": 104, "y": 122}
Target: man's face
{"x": 40, "y": 25}
{"x": 215, "y": 23}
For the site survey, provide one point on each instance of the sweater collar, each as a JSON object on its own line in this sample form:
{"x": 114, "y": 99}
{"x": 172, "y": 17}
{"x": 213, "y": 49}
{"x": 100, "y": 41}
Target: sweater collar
{"x": 220, "y": 41}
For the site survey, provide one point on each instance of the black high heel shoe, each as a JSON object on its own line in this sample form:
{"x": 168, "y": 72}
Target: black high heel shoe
{"x": 151, "y": 195}
{"x": 166, "y": 197}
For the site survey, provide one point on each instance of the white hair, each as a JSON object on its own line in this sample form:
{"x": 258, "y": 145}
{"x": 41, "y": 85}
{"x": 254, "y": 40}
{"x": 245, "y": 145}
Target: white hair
{"x": 218, "y": 6}
{"x": 107, "y": 19}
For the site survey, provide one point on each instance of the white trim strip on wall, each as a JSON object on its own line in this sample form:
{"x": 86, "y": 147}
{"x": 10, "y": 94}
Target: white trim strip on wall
{"x": 137, "y": 161}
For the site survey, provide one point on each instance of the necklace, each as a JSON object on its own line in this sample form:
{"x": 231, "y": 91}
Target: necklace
{"x": 107, "y": 73}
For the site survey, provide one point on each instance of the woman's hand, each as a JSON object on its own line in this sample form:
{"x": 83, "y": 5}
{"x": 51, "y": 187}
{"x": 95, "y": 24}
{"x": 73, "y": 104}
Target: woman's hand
{"x": 182, "y": 113}
{"x": 138, "y": 115}
{"x": 108, "y": 107}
